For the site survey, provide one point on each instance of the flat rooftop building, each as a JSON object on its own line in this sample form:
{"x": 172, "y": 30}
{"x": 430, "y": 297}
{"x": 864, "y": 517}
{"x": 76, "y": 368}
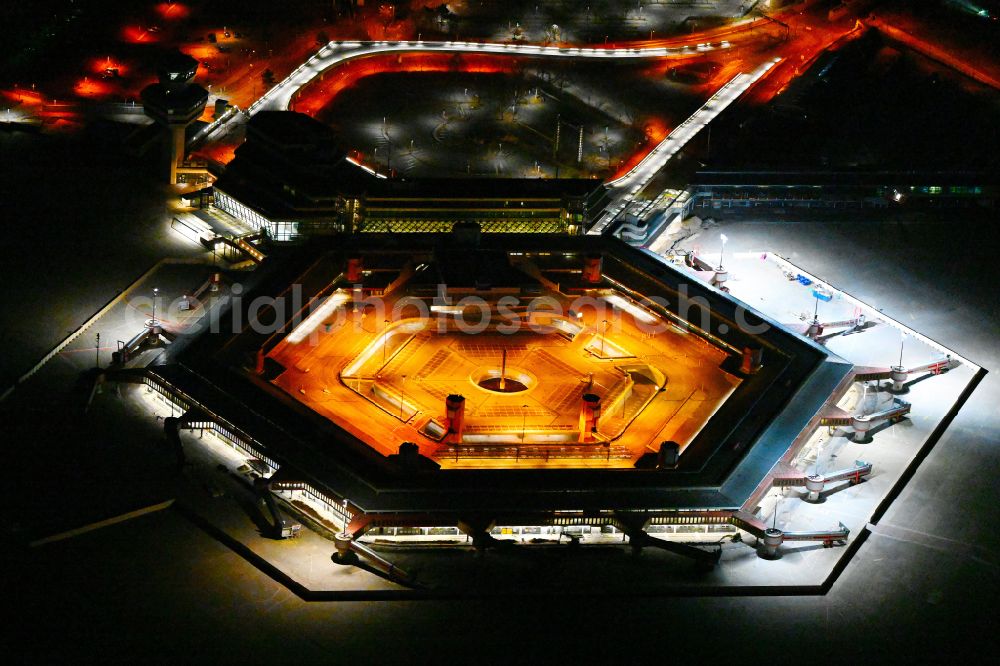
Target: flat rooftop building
{"x": 291, "y": 180}
{"x": 473, "y": 379}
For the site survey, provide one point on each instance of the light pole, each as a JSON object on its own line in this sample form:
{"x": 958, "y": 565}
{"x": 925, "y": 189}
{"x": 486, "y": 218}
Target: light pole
{"x": 724, "y": 238}
{"x": 524, "y": 419}
{"x": 97, "y": 352}
{"x": 402, "y": 397}
{"x": 774, "y": 522}
{"x": 603, "y": 336}
{"x": 385, "y": 338}
{"x": 156, "y": 293}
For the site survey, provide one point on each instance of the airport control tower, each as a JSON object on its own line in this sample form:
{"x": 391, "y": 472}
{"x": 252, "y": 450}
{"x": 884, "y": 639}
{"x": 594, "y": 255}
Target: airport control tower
{"x": 174, "y": 102}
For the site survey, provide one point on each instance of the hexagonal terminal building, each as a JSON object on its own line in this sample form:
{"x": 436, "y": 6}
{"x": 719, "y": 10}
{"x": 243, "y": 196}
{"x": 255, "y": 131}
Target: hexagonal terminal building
{"x": 469, "y": 380}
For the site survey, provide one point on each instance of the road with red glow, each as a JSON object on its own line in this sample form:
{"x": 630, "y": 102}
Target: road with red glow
{"x": 747, "y": 46}
{"x": 773, "y": 50}
{"x": 744, "y": 70}
{"x": 280, "y": 97}
{"x": 287, "y": 93}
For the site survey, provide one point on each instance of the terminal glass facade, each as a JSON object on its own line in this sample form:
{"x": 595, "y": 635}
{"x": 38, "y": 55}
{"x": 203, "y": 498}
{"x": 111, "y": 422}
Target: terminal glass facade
{"x": 278, "y": 230}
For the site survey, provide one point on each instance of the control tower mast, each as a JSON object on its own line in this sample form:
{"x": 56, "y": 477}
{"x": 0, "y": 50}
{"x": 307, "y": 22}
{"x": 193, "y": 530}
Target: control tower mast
{"x": 174, "y": 103}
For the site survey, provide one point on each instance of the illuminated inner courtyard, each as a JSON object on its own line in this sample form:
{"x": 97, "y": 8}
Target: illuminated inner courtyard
{"x": 501, "y": 383}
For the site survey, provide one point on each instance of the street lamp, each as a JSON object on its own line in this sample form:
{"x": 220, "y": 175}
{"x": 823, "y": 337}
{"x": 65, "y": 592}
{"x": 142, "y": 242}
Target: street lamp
{"x": 603, "y": 336}
{"x": 385, "y": 338}
{"x": 524, "y": 418}
{"x": 402, "y": 397}
{"x": 774, "y": 522}
{"x": 156, "y": 293}
{"x": 724, "y": 238}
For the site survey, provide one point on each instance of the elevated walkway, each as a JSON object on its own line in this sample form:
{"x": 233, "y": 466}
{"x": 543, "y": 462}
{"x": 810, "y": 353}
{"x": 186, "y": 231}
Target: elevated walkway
{"x": 635, "y": 180}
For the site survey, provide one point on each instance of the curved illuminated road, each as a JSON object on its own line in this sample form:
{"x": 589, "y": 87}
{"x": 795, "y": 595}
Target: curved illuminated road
{"x": 280, "y": 96}
{"x": 334, "y": 53}
{"x": 624, "y": 189}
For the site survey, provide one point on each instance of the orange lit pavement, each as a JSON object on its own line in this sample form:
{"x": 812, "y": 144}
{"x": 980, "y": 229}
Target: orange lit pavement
{"x": 654, "y": 388}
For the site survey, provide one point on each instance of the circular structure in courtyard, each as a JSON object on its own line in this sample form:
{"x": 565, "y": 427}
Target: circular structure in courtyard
{"x": 499, "y": 381}
{"x": 502, "y": 385}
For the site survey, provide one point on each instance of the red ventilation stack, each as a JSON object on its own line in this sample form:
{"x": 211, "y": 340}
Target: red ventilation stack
{"x": 455, "y": 410}
{"x": 590, "y": 412}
